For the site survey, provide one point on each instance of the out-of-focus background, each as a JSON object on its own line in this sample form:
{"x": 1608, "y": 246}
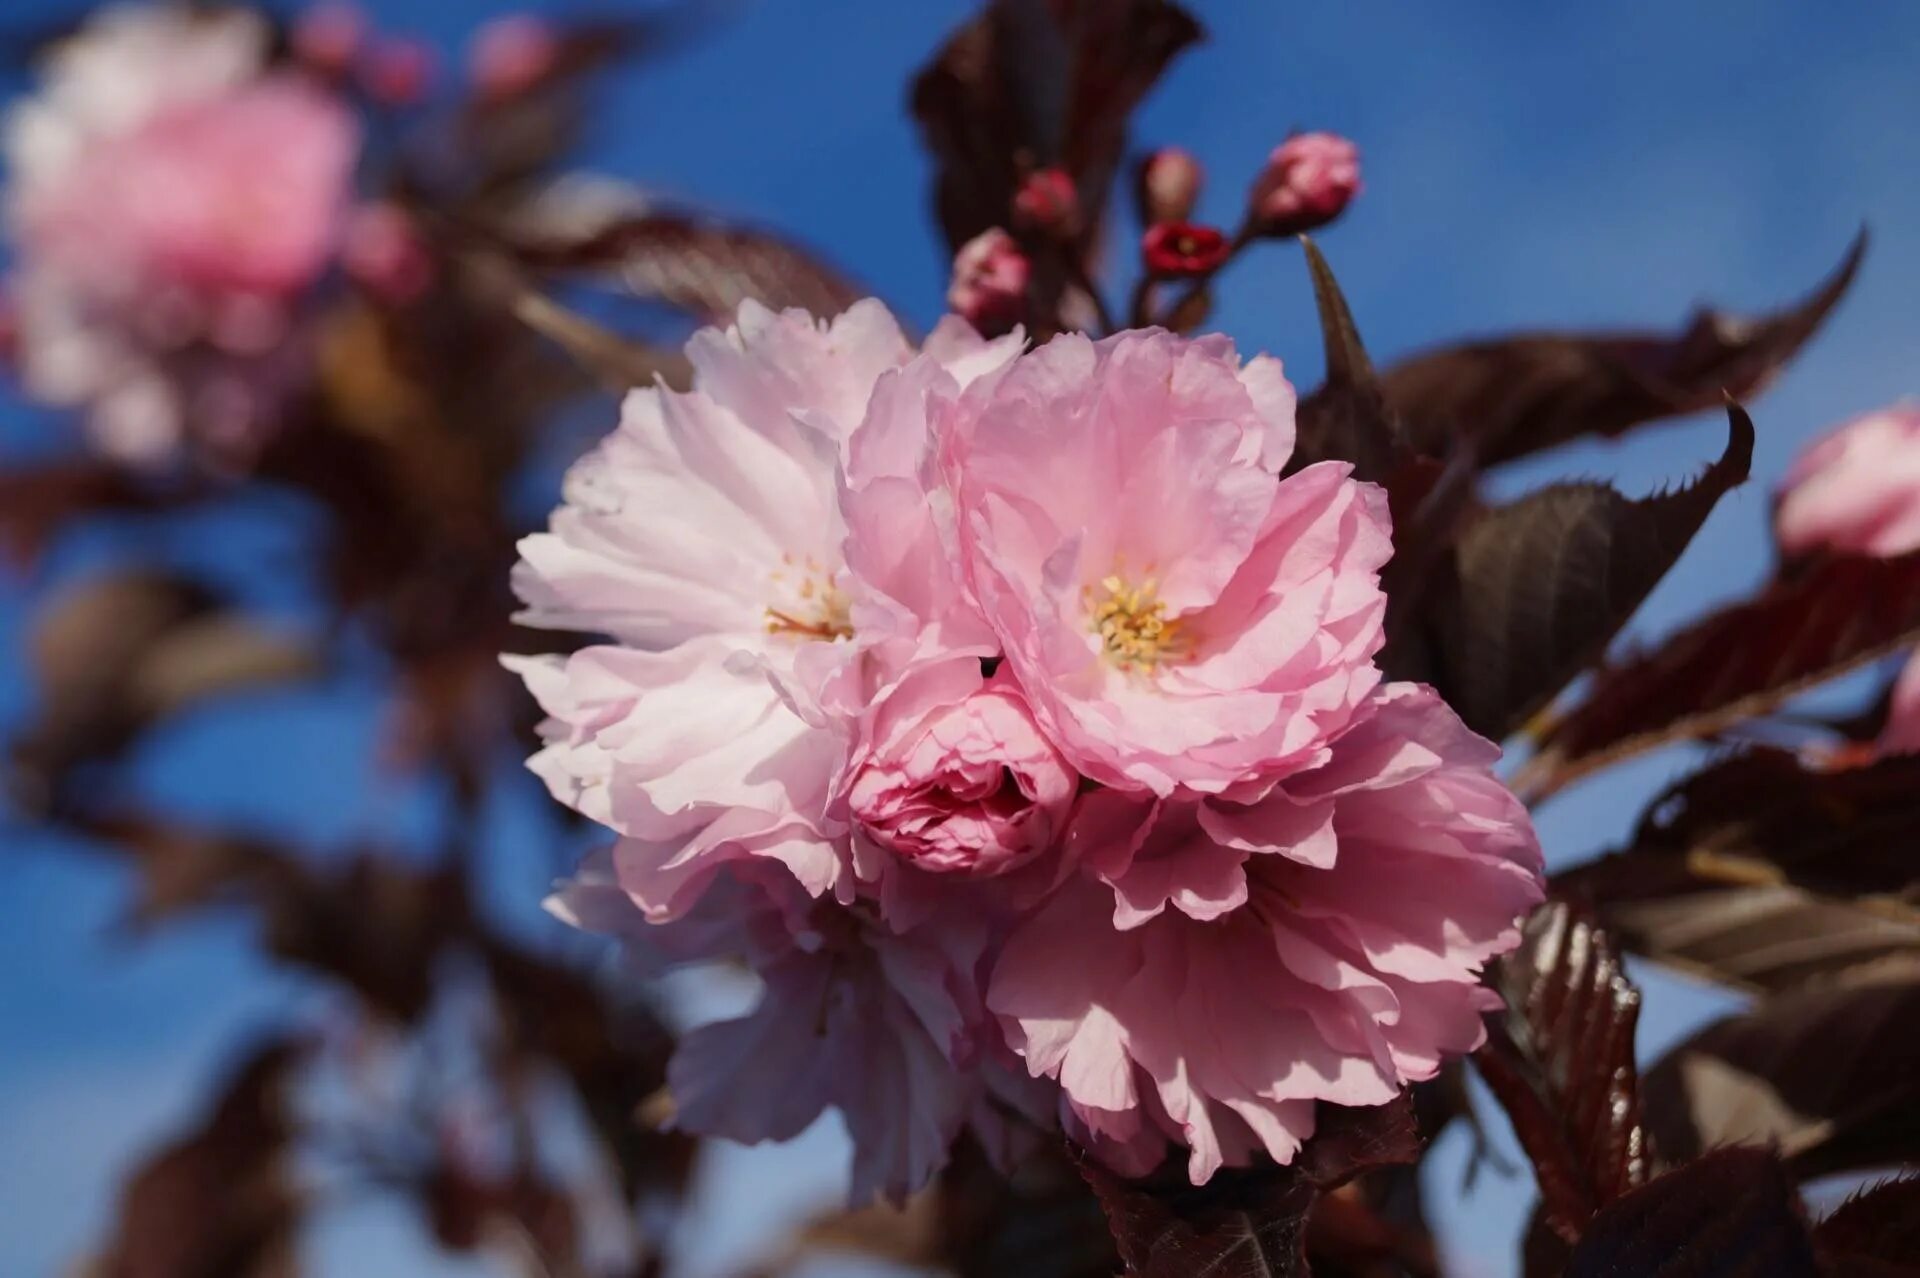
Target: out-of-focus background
{"x": 1562, "y": 166}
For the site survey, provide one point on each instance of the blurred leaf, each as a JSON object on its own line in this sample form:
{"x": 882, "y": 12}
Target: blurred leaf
{"x": 700, "y": 267}
{"x": 1874, "y": 1234}
{"x": 1249, "y": 1223}
{"x": 1539, "y": 587}
{"x": 35, "y": 503}
{"x": 1346, "y": 419}
{"x": 1732, "y": 1214}
{"x": 1518, "y": 395}
{"x": 1561, "y": 1065}
{"x": 1761, "y": 871}
{"x": 218, "y": 1203}
{"x": 113, "y": 654}
{"x": 1824, "y": 619}
{"x": 1032, "y": 84}
{"x": 1829, "y": 1077}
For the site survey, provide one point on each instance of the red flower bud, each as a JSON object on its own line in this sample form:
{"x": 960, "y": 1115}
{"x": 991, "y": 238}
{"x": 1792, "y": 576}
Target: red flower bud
{"x": 1183, "y": 250}
{"x": 1047, "y": 202}
{"x": 1168, "y": 185}
{"x": 989, "y": 287}
{"x": 327, "y": 37}
{"x": 398, "y": 72}
{"x": 1309, "y": 181}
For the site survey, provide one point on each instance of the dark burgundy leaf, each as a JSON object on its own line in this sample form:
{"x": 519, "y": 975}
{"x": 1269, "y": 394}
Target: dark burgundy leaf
{"x": 1874, "y": 1234}
{"x": 1346, "y": 419}
{"x": 1820, "y": 621}
{"x": 1033, "y": 84}
{"x": 218, "y": 1203}
{"x": 1541, "y": 585}
{"x": 1732, "y": 1214}
{"x": 1762, "y": 871}
{"x": 1828, "y": 1076}
{"x": 1519, "y": 395}
{"x": 701, "y": 267}
{"x": 1561, "y": 1064}
{"x": 1247, "y": 1223}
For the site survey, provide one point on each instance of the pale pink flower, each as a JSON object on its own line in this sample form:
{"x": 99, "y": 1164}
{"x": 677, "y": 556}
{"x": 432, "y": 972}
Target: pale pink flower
{"x": 954, "y": 776}
{"x": 1321, "y": 943}
{"x": 1856, "y": 491}
{"x": 1180, "y": 618}
{"x": 885, "y": 1027}
{"x": 1309, "y": 181}
{"x": 170, "y": 207}
{"x": 707, "y": 537}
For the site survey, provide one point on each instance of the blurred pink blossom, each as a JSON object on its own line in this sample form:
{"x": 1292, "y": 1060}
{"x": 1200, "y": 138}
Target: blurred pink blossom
{"x": 171, "y": 206}
{"x": 512, "y": 54}
{"x": 1857, "y": 489}
{"x": 383, "y": 252}
{"x": 327, "y": 37}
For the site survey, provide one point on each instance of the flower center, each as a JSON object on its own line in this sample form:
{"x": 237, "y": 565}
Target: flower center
{"x": 1132, "y": 623}
{"x": 813, "y": 607}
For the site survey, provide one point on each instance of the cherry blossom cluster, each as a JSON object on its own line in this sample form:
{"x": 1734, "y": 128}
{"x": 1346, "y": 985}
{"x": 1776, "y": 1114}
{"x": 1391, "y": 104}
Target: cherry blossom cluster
{"x": 1016, "y": 721}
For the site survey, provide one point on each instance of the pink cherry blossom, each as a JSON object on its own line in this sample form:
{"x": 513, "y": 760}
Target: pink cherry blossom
{"x": 1180, "y": 618}
{"x": 954, "y": 776}
{"x": 1248, "y": 960}
{"x": 989, "y": 285}
{"x": 171, "y": 205}
{"x": 884, "y": 1027}
{"x": 1856, "y": 491}
{"x": 706, "y": 537}
{"x": 512, "y": 54}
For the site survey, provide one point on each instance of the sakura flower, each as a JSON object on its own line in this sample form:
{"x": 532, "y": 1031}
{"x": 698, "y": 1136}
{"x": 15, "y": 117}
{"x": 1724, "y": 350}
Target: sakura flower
{"x": 954, "y": 776}
{"x": 1856, "y": 491}
{"x": 1322, "y": 943}
{"x": 880, "y": 1026}
{"x": 1308, "y": 182}
{"x": 170, "y": 205}
{"x": 1180, "y": 618}
{"x": 1183, "y": 250}
{"x": 707, "y": 538}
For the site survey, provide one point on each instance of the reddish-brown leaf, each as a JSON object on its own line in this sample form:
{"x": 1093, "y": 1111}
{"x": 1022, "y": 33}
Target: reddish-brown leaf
{"x": 1820, "y": 621}
{"x": 1762, "y": 871}
{"x": 1036, "y": 83}
{"x": 1248, "y": 1223}
{"x": 1733, "y": 1214}
{"x": 701, "y": 267}
{"x": 1874, "y": 1234}
{"x": 1830, "y": 1077}
{"x": 1518, "y": 395}
{"x": 1346, "y": 418}
{"x": 218, "y": 1203}
{"x": 1561, "y": 1064}
{"x": 1538, "y": 587}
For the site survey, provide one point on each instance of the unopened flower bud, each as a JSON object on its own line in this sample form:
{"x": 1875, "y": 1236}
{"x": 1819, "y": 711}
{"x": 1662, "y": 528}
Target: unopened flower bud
{"x": 1168, "y": 185}
{"x": 511, "y": 55}
{"x": 383, "y": 253}
{"x": 1183, "y": 250}
{"x": 1047, "y": 202}
{"x": 989, "y": 288}
{"x": 398, "y": 72}
{"x": 326, "y": 38}
{"x": 1309, "y": 181}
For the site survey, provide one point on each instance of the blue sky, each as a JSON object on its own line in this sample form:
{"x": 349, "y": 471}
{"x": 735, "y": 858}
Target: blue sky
{"x": 1569, "y": 165}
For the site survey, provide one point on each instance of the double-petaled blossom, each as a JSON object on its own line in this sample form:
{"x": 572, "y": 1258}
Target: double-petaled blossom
{"x": 171, "y": 201}
{"x": 1016, "y": 721}
{"x": 1856, "y": 491}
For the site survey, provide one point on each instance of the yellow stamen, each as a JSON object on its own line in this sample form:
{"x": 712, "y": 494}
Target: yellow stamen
{"x": 1133, "y": 625}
